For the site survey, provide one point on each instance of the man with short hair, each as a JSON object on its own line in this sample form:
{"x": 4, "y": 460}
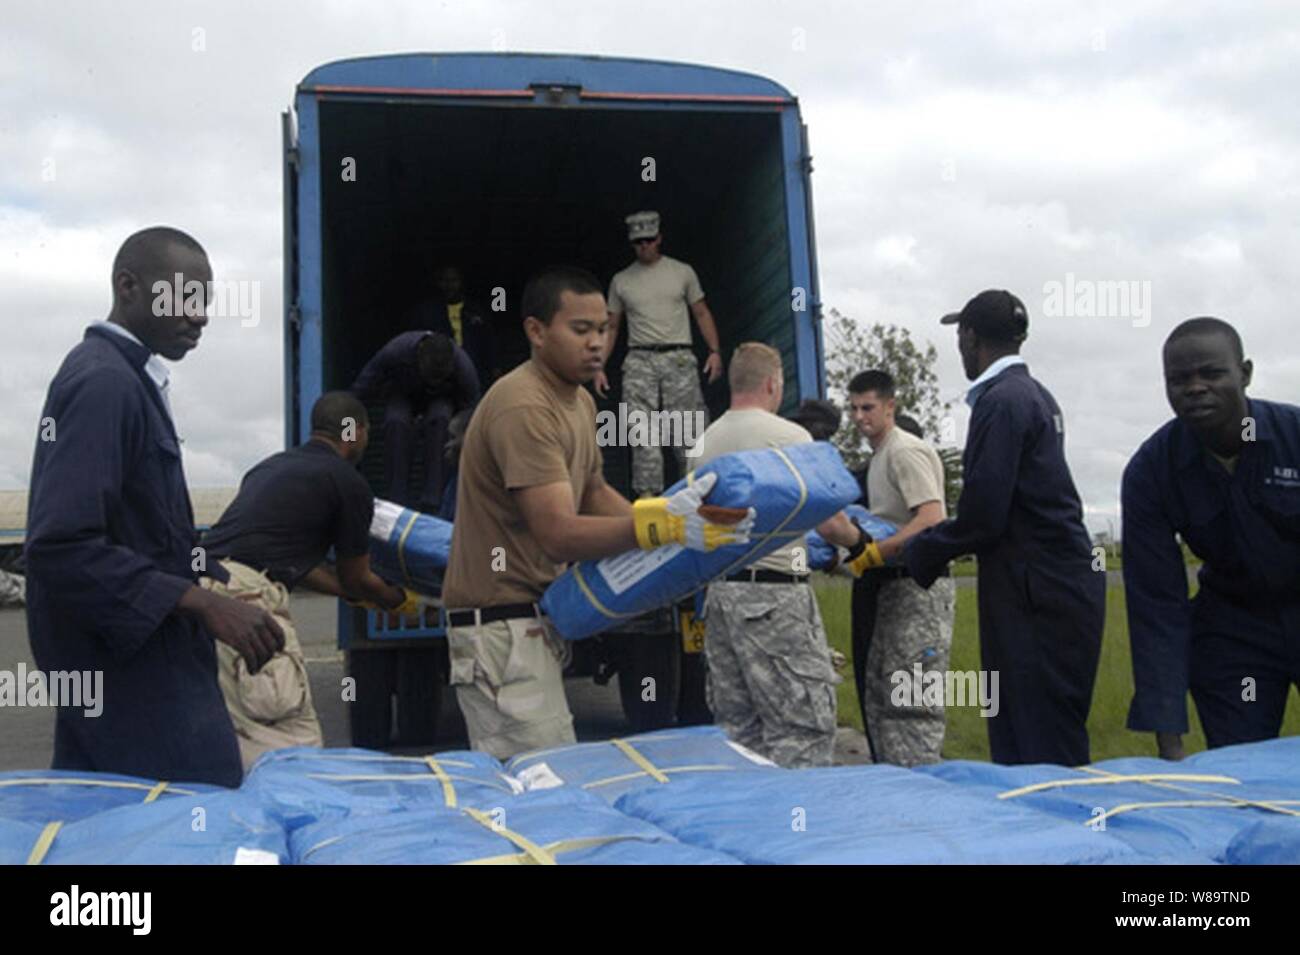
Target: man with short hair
{"x": 291, "y": 509}
{"x": 112, "y": 577}
{"x": 1224, "y": 477}
{"x": 530, "y": 499}
{"x": 910, "y": 625}
{"x": 420, "y": 375}
{"x": 659, "y": 295}
{"x": 771, "y": 683}
{"x": 1042, "y": 606}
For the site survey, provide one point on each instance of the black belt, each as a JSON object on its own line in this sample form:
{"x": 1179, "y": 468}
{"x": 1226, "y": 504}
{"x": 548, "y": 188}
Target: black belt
{"x": 657, "y": 347}
{"x": 767, "y": 577}
{"x": 465, "y": 618}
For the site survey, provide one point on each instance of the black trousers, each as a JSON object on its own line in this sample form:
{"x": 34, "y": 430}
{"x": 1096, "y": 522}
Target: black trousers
{"x": 866, "y": 590}
{"x": 1040, "y": 630}
{"x": 400, "y": 435}
{"x": 1240, "y": 680}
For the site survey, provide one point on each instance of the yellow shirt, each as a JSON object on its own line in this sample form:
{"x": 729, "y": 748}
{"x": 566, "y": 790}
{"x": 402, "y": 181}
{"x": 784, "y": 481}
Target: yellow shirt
{"x": 457, "y": 328}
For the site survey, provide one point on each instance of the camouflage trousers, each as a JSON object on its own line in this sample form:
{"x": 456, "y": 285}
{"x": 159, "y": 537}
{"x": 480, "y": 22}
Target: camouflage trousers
{"x": 913, "y": 626}
{"x": 771, "y": 685}
{"x": 658, "y": 382}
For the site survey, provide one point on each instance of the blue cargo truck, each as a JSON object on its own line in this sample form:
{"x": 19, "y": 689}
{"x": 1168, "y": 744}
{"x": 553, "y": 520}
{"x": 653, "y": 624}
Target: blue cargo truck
{"x": 502, "y": 163}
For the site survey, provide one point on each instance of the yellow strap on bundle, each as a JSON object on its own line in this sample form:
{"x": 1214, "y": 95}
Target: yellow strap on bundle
{"x": 43, "y": 843}
{"x": 401, "y": 547}
{"x": 109, "y": 783}
{"x": 448, "y": 790}
{"x": 554, "y": 848}
{"x": 158, "y": 789}
{"x": 1274, "y": 805}
{"x": 1115, "y": 778}
{"x": 1224, "y": 803}
{"x": 535, "y": 853}
{"x": 675, "y": 770}
{"x": 648, "y": 767}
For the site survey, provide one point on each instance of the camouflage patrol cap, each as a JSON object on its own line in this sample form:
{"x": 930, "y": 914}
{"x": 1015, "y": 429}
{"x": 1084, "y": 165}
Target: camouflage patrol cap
{"x": 642, "y": 225}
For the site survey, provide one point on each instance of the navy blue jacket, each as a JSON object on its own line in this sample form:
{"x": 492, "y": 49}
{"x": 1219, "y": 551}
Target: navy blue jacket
{"x": 394, "y": 370}
{"x": 1018, "y": 500}
{"x": 110, "y": 534}
{"x": 478, "y": 331}
{"x": 1244, "y": 526}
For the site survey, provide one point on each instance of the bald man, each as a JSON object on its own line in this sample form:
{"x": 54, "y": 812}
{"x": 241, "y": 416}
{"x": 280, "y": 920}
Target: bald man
{"x": 112, "y": 566}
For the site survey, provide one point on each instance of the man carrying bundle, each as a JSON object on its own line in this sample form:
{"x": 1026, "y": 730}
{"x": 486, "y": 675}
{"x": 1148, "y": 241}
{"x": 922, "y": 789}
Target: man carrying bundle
{"x": 531, "y": 498}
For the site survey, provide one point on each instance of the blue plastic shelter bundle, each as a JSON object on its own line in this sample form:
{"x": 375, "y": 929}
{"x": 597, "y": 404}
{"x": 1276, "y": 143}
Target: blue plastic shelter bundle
{"x": 862, "y": 814}
{"x": 54, "y": 795}
{"x": 793, "y": 489}
{"x": 821, "y": 553}
{"x": 220, "y": 827}
{"x": 558, "y": 826}
{"x": 409, "y": 548}
{"x": 613, "y": 767}
{"x": 303, "y": 785}
{"x": 1185, "y": 812}
{"x": 1267, "y": 842}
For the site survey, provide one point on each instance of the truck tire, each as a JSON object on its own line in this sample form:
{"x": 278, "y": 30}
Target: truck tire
{"x": 657, "y": 657}
{"x": 370, "y": 714}
{"x": 421, "y": 675}
{"x": 692, "y": 703}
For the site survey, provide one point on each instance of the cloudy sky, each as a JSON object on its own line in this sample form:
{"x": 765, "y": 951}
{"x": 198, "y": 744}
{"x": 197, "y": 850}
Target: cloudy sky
{"x": 957, "y": 146}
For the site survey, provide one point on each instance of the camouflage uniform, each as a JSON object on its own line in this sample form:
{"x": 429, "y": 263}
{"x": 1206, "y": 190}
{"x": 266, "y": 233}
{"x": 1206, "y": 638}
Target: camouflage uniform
{"x": 771, "y": 685}
{"x": 655, "y": 381}
{"x": 912, "y": 625}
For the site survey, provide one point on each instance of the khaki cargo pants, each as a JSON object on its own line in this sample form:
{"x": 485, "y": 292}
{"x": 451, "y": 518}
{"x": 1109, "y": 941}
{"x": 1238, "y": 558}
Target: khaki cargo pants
{"x": 509, "y": 680}
{"x": 272, "y": 708}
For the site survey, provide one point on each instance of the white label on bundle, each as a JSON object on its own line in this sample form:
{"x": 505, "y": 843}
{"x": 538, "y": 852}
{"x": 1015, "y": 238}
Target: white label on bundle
{"x": 385, "y": 519}
{"x": 246, "y": 856}
{"x": 539, "y": 776}
{"x": 750, "y": 755}
{"x": 631, "y": 568}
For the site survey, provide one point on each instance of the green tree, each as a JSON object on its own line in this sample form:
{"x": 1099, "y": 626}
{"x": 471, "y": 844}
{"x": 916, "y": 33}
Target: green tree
{"x": 851, "y": 347}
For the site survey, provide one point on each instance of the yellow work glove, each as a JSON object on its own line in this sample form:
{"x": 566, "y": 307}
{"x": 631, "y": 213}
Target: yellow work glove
{"x": 685, "y": 519}
{"x": 864, "y": 555}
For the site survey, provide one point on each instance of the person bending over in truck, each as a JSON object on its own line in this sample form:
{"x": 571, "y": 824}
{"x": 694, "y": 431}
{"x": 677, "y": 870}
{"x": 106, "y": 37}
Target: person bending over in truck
{"x": 530, "y": 499}
{"x": 659, "y": 295}
{"x": 771, "y": 683}
{"x": 291, "y": 509}
{"x": 112, "y": 581}
{"x": 422, "y": 375}
{"x": 465, "y": 321}
{"x": 1223, "y": 475}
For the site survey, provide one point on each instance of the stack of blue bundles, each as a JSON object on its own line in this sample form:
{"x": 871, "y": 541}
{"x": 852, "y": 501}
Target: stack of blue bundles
{"x": 409, "y": 548}
{"x": 851, "y": 815}
{"x": 613, "y": 767}
{"x": 63, "y": 795}
{"x": 821, "y": 553}
{"x": 1267, "y": 842}
{"x": 222, "y": 827}
{"x": 556, "y": 827}
{"x": 792, "y": 489}
{"x": 303, "y": 785}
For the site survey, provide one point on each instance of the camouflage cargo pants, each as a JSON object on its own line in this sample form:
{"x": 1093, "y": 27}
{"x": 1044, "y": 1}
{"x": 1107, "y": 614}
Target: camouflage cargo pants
{"x": 667, "y": 381}
{"x": 913, "y": 626}
{"x": 771, "y": 685}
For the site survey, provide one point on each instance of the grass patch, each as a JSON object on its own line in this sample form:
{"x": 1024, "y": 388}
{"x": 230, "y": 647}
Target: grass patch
{"x": 966, "y": 736}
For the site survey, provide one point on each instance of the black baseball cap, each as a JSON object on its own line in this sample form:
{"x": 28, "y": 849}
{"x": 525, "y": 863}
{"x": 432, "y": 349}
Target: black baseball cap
{"x": 995, "y": 314}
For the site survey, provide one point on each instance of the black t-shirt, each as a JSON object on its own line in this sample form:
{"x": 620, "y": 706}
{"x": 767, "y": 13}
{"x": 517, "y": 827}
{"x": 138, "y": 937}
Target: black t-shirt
{"x": 291, "y": 509}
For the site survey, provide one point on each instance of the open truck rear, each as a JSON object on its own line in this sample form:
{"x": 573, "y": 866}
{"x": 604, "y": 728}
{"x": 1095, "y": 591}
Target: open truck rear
{"x": 503, "y": 163}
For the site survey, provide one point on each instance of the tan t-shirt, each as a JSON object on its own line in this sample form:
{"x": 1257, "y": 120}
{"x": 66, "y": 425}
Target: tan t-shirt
{"x": 905, "y": 473}
{"x": 531, "y": 428}
{"x": 655, "y": 299}
{"x": 745, "y": 431}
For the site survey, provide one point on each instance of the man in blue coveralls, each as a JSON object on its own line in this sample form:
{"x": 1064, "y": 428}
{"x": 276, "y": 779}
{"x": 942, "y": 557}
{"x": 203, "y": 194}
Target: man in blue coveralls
{"x": 1224, "y": 476}
{"x": 1041, "y": 605}
{"x": 111, "y": 579}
